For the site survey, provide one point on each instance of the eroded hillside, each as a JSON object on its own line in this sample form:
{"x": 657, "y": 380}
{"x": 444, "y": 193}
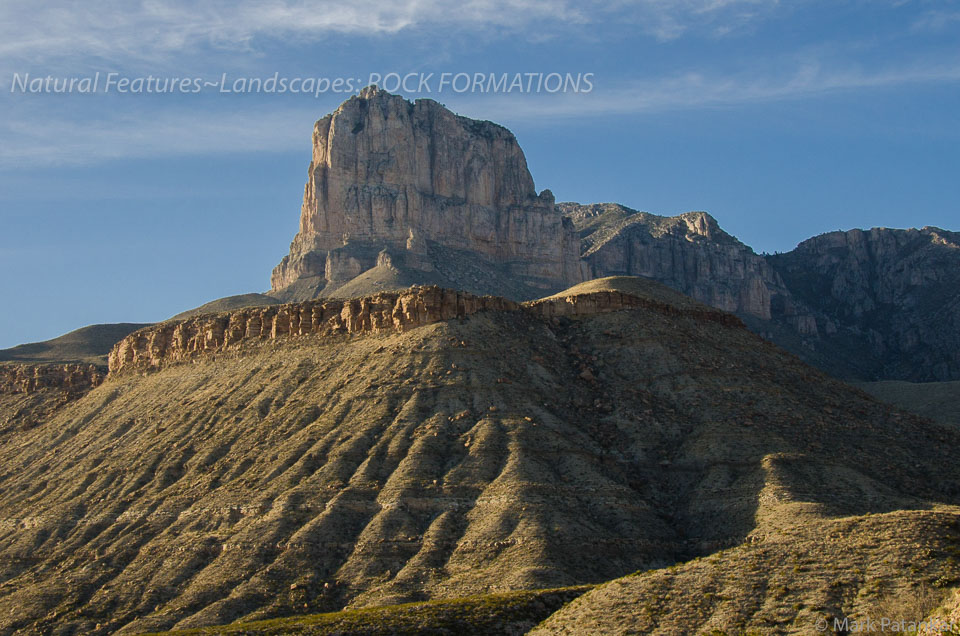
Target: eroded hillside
{"x": 570, "y": 441}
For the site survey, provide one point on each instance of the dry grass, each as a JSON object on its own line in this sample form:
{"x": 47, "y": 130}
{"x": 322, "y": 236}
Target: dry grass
{"x": 502, "y": 452}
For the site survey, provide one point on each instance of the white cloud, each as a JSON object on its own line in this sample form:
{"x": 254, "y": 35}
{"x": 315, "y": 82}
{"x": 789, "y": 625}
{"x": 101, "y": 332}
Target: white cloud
{"x": 33, "y": 138}
{"x": 151, "y": 30}
{"x": 40, "y": 140}
{"x": 695, "y": 90}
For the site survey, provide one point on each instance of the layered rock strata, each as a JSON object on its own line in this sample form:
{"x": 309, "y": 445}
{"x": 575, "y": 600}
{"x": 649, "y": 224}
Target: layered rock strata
{"x": 29, "y": 378}
{"x": 388, "y": 311}
{"x": 390, "y": 174}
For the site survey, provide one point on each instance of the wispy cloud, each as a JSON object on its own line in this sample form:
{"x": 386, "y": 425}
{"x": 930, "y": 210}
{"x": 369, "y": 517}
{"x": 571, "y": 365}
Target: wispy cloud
{"x": 124, "y": 30}
{"x": 671, "y": 20}
{"x": 36, "y": 138}
{"x": 935, "y": 21}
{"x": 696, "y": 90}
{"x": 41, "y": 140}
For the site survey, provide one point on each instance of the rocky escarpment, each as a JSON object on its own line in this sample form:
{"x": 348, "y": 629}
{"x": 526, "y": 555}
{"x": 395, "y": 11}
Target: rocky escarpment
{"x": 29, "y": 378}
{"x": 689, "y": 253}
{"x": 388, "y": 311}
{"x": 402, "y": 193}
{"x": 877, "y": 304}
{"x": 887, "y": 300}
{"x": 414, "y": 179}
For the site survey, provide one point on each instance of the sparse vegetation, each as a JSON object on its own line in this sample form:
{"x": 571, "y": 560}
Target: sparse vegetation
{"x": 510, "y": 613}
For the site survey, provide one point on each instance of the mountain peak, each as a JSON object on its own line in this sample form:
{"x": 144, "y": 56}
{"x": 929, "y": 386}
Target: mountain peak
{"x": 416, "y": 179}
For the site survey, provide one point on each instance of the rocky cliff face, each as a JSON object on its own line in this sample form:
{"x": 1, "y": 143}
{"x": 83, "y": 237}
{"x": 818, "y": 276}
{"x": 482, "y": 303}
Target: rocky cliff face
{"x": 175, "y": 341}
{"x": 28, "y": 378}
{"x": 388, "y": 174}
{"x": 403, "y": 193}
{"x": 388, "y": 311}
{"x": 889, "y": 298}
{"x": 689, "y": 253}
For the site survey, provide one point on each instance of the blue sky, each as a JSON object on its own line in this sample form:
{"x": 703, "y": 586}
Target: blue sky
{"x": 782, "y": 119}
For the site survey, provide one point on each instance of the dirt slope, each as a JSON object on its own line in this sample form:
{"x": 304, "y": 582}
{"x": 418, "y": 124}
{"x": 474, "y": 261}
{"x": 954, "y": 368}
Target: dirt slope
{"x": 498, "y": 452}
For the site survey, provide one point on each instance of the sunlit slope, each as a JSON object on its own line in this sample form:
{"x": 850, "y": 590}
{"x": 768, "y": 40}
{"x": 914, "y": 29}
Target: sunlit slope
{"x": 495, "y": 452}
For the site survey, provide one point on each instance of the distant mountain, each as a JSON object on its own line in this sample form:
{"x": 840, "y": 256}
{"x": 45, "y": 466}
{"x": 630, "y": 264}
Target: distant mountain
{"x": 87, "y": 344}
{"x": 886, "y": 302}
{"x": 689, "y": 252}
{"x": 402, "y": 193}
{"x": 862, "y": 305}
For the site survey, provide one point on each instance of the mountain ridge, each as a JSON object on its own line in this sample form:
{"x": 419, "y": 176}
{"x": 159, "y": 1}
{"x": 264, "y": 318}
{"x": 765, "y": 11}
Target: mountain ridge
{"x": 401, "y": 192}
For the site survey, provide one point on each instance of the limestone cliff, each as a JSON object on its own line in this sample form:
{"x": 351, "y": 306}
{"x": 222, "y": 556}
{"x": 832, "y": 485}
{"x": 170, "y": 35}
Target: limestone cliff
{"x": 887, "y": 300}
{"x": 414, "y": 178}
{"x": 401, "y": 194}
{"x": 28, "y": 378}
{"x": 689, "y": 253}
{"x": 175, "y": 341}
{"x": 210, "y": 333}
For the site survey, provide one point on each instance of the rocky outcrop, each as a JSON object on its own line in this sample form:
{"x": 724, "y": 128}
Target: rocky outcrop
{"x": 388, "y": 311}
{"x": 390, "y": 174}
{"x": 689, "y": 253}
{"x": 402, "y": 193}
{"x": 29, "y": 378}
{"x": 888, "y": 299}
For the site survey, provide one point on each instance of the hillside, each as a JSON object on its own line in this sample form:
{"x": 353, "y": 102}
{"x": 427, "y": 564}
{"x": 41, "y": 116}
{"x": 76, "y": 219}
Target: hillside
{"x": 396, "y": 451}
{"x": 792, "y": 580}
{"x": 87, "y": 344}
{"x": 228, "y": 303}
{"x": 939, "y": 401}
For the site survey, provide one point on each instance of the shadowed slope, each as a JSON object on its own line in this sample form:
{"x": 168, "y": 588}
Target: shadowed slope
{"x": 501, "y": 450}
{"x": 939, "y": 401}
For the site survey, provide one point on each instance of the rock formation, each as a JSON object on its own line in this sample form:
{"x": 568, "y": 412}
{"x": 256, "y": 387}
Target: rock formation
{"x": 409, "y": 178}
{"x": 28, "y": 378}
{"x": 403, "y": 193}
{"x": 387, "y": 311}
{"x": 887, "y": 301}
{"x": 689, "y": 253}
{"x": 174, "y": 341}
